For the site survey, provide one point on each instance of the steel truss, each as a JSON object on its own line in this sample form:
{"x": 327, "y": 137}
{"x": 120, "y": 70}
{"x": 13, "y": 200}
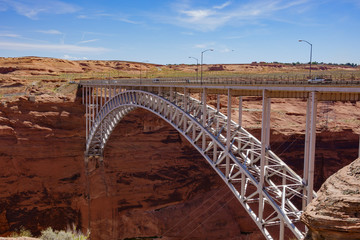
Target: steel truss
{"x": 266, "y": 187}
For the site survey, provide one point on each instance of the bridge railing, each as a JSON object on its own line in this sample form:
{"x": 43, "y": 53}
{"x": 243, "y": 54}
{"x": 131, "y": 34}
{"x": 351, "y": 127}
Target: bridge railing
{"x": 219, "y": 81}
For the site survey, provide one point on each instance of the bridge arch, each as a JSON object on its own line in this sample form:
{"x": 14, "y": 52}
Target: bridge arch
{"x": 237, "y": 164}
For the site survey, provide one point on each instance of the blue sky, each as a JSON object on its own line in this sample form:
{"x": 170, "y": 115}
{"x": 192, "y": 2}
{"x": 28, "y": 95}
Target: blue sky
{"x": 168, "y": 32}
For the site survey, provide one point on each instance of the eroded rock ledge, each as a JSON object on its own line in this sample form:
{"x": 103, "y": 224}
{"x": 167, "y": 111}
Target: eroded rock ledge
{"x": 335, "y": 213}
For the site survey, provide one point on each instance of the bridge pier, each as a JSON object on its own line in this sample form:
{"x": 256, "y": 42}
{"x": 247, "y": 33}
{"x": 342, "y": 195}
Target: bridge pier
{"x": 101, "y": 97}
{"x": 265, "y": 139}
{"x": 228, "y": 133}
{"x": 204, "y": 116}
{"x": 171, "y": 94}
{"x": 311, "y": 146}
{"x": 240, "y": 111}
{"x": 309, "y": 152}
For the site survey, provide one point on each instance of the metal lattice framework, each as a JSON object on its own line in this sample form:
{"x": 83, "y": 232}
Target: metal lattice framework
{"x": 272, "y": 194}
{"x": 268, "y": 193}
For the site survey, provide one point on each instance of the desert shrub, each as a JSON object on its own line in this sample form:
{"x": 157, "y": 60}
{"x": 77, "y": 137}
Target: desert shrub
{"x": 22, "y": 232}
{"x": 50, "y": 234}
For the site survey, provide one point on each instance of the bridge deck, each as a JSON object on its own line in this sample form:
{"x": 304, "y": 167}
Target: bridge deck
{"x": 335, "y": 91}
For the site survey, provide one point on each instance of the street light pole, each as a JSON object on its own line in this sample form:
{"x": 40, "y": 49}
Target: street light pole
{"x": 197, "y": 67}
{"x": 310, "y": 54}
{"x": 202, "y": 53}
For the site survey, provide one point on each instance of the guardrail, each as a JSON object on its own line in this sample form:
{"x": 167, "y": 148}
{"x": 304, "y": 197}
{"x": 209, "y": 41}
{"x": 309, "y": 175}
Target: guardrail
{"x": 219, "y": 81}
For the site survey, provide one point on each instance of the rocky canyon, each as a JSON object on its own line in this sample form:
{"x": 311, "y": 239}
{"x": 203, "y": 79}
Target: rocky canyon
{"x": 151, "y": 183}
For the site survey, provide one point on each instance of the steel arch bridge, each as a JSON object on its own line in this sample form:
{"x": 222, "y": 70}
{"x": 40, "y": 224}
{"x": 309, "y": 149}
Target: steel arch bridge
{"x": 272, "y": 194}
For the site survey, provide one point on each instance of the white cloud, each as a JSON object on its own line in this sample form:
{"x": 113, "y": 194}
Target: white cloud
{"x": 126, "y": 20}
{"x": 83, "y": 16}
{"x": 213, "y": 17}
{"x": 51, "y": 31}
{"x": 18, "y": 36}
{"x": 10, "y": 35}
{"x": 198, "y": 14}
{"x": 117, "y": 17}
{"x": 32, "y": 9}
{"x": 223, "y": 5}
{"x": 68, "y": 57}
{"x": 200, "y": 46}
{"x": 205, "y": 45}
{"x": 88, "y": 41}
{"x": 51, "y": 47}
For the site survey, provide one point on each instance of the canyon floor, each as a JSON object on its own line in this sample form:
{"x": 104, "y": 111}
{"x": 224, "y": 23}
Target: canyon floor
{"x": 152, "y": 183}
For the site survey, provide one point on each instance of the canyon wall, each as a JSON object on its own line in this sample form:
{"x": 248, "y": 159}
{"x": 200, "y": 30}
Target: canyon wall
{"x": 335, "y": 213}
{"x": 41, "y": 162}
{"x": 150, "y": 183}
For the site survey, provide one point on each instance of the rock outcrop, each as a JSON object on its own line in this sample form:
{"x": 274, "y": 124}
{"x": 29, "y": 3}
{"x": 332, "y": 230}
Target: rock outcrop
{"x": 154, "y": 183}
{"x": 151, "y": 182}
{"x": 41, "y": 164}
{"x": 335, "y": 213}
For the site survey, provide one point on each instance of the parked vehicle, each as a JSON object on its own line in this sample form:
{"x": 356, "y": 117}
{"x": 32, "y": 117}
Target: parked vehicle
{"x": 317, "y": 80}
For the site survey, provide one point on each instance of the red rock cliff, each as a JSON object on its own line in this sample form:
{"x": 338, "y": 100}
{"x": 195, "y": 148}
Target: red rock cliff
{"x": 335, "y": 213}
{"x": 41, "y": 162}
{"x": 151, "y": 181}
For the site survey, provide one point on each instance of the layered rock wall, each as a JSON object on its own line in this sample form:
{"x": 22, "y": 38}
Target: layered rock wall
{"x": 41, "y": 162}
{"x": 150, "y": 183}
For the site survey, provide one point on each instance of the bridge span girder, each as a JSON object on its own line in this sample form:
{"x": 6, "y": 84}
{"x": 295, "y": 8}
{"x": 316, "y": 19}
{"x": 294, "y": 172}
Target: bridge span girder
{"x": 272, "y": 194}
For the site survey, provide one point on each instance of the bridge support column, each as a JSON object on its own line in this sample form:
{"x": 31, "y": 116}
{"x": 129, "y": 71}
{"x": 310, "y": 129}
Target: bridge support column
{"x": 306, "y": 151}
{"x": 215, "y": 155}
{"x": 105, "y": 95}
{"x": 185, "y": 101}
{"x": 228, "y": 133}
{"x": 101, "y": 97}
{"x": 83, "y": 94}
{"x": 171, "y": 94}
{"x": 97, "y": 100}
{"x": 204, "y": 117}
{"x": 93, "y": 92}
{"x": 265, "y": 139}
{"x": 310, "y": 141}
{"x": 86, "y": 112}
{"x": 90, "y": 105}
{"x": 240, "y": 111}
{"x": 186, "y": 98}
{"x": 217, "y": 112}
{"x": 240, "y": 121}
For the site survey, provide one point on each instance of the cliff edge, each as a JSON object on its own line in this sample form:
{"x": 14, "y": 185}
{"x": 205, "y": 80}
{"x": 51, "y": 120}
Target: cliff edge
{"x": 335, "y": 213}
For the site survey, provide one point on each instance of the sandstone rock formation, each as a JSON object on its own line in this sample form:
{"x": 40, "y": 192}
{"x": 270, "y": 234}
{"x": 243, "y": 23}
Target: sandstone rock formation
{"x": 151, "y": 182}
{"x": 142, "y": 192}
{"x": 41, "y": 145}
{"x": 154, "y": 183}
{"x": 335, "y": 213}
